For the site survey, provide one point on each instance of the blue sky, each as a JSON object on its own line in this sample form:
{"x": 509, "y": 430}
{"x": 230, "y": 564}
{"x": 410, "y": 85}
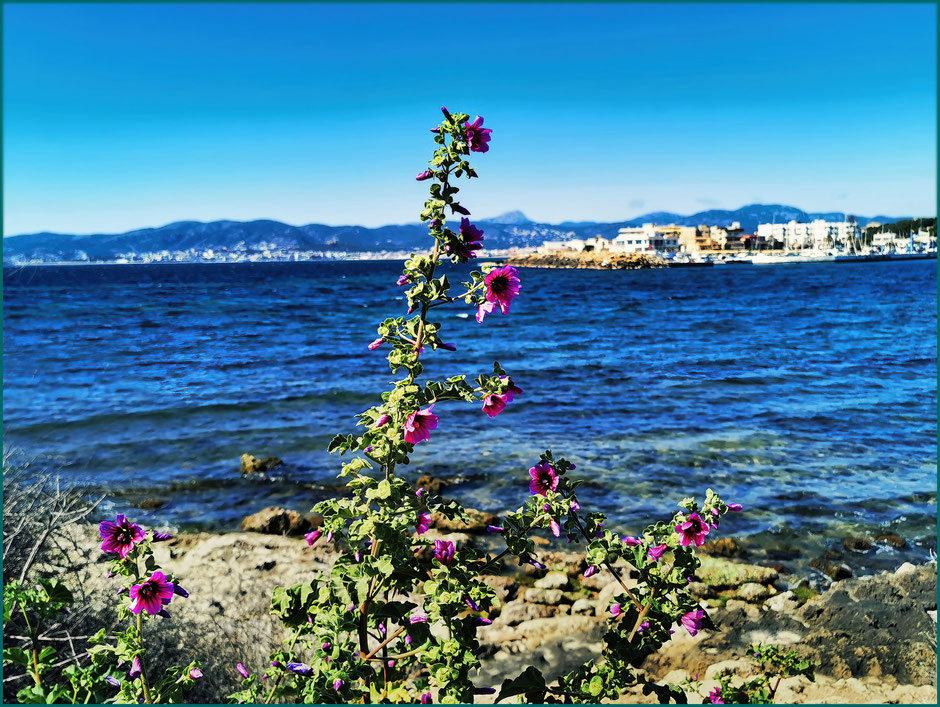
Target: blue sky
{"x": 124, "y": 116}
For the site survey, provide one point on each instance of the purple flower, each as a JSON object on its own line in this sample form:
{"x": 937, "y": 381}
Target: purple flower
{"x": 615, "y": 610}
{"x": 403, "y": 280}
{"x": 479, "y": 621}
{"x": 693, "y": 621}
{"x": 536, "y": 564}
{"x": 592, "y": 570}
{"x": 444, "y": 551}
{"x": 494, "y": 403}
{"x": 556, "y": 529}
{"x": 407, "y": 640}
{"x": 419, "y": 424}
{"x": 654, "y": 553}
{"x": 151, "y": 594}
{"x": 418, "y": 617}
{"x": 375, "y": 344}
{"x": 643, "y": 626}
{"x": 180, "y": 592}
{"x": 693, "y": 531}
{"x": 275, "y": 664}
{"x": 735, "y": 507}
{"x": 326, "y": 646}
{"x": 468, "y": 240}
{"x": 426, "y": 174}
{"x": 423, "y": 524}
{"x": 469, "y": 602}
{"x": 160, "y": 537}
{"x": 484, "y": 690}
{"x": 357, "y": 555}
{"x": 164, "y": 613}
{"x": 120, "y": 536}
{"x": 631, "y": 541}
{"x": 494, "y": 529}
{"x": 543, "y": 480}
{"x": 448, "y": 347}
{"x": 242, "y": 670}
{"x": 112, "y": 681}
{"x": 425, "y": 698}
{"x": 714, "y": 697}
{"x": 478, "y": 137}
{"x": 195, "y": 673}
{"x": 502, "y": 286}
{"x": 337, "y": 684}
{"x": 382, "y": 421}
{"x": 136, "y": 668}
{"x": 299, "y": 668}
{"x": 312, "y": 537}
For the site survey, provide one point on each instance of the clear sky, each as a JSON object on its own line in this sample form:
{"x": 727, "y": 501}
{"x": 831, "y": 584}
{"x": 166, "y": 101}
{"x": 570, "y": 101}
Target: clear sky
{"x": 125, "y": 116}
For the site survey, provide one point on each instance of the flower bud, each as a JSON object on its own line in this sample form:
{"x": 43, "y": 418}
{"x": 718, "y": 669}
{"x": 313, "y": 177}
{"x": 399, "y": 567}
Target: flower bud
{"x": 590, "y": 571}
{"x": 383, "y": 420}
{"x": 179, "y": 591}
{"x": 337, "y": 684}
{"x": 160, "y": 537}
{"x": 615, "y": 610}
{"x": 312, "y": 537}
{"x": 494, "y": 529}
{"x": 375, "y": 344}
{"x": 112, "y": 681}
{"x": 426, "y": 174}
{"x": 242, "y": 670}
{"x": 195, "y": 673}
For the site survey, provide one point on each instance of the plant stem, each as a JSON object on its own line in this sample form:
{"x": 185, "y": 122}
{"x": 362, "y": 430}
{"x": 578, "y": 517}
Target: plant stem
{"x": 277, "y": 681}
{"x": 143, "y": 671}
{"x": 610, "y": 567}
{"x": 384, "y": 643}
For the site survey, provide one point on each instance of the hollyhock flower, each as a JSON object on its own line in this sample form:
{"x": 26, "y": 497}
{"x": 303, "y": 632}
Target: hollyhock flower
{"x": 466, "y": 241}
{"x": 692, "y": 621}
{"x": 299, "y": 668}
{"x": 654, "y": 553}
{"x": 556, "y": 529}
{"x": 643, "y": 626}
{"x": 382, "y": 421}
{"x": 494, "y": 403}
{"x": 419, "y": 424}
{"x": 375, "y": 344}
{"x": 425, "y": 698}
{"x": 151, "y": 594}
{"x": 502, "y": 286}
{"x": 112, "y": 681}
{"x": 537, "y": 565}
{"x": 543, "y": 480}
{"x": 735, "y": 507}
{"x": 337, "y": 684}
{"x": 242, "y": 670}
{"x": 160, "y": 537}
{"x": 478, "y": 137}
{"x": 512, "y": 390}
{"x": 715, "y": 696}
{"x": 136, "y": 668}
{"x": 631, "y": 541}
{"x": 482, "y": 622}
{"x": 423, "y": 524}
{"x": 434, "y": 224}
{"x": 426, "y": 174}
{"x": 418, "y": 616}
{"x": 312, "y": 537}
{"x": 419, "y": 493}
{"x": 444, "y": 551}
{"x": 403, "y": 280}
{"x": 494, "y": 529}
{"x": 484, "y": 309}
{"x": 195, "y": 673}
{"x": 120, "y": 536}
{"x": 615, "y": 610}
{"x": 693, "y": 530}
{"x": 407, "y": 640}
{"x": 469, "y": 602}
{"x": 590, "y": 571}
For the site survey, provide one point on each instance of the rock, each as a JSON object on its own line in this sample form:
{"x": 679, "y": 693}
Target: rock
{"x": 857, "y": 544}
{"x": 783, "y": 602}
{"x": 277, "y": 521}
{"x": 554, "y": 580}
{"x": 700, "y": 589}
{"x": 606, "y": 596}
{"x": 905, "y": 569}
{"x": 723, "y": 547}
{"x": 584, "y": 606}
{"x": 833, "y": 570}
{"x": 431, "y": 485}
{"x": 722, "y": 574}
{"x": 515, "y": 612}
{"x": 553, "y": 597}
{"x": 742, "y": 667}
{"x": 789, "y": 689}
{"x": 150, "y": 504}
{"x": 506, "y": 588}
{"x": 753, "y": 592}
{"x": 479, "y": 521}
{"x": 891, "y": 539}
{"x": 253, "y": 465}
{"x": 596, "y": 581}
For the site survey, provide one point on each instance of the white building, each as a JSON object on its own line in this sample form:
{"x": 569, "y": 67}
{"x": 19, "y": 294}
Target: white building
{"x": 646, "y": 238}
{"x": 817, "y": 235}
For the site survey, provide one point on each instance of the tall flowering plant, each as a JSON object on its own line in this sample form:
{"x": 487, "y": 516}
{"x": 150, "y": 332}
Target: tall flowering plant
{"x": 383, "y": 626}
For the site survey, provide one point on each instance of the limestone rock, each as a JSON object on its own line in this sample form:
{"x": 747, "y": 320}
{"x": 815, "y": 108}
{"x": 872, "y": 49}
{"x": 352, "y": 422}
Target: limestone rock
{"x": 753, "y": 592}
{"x": 253, "y": 465}
{"x": 552, "y": 597}
{"x": 277, "y": 521}
{"x": 479, "y": 520}
{"x": 554, "y": 580}
{"x": 723, "y": 574}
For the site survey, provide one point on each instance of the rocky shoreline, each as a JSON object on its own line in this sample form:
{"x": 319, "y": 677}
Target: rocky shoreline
{"x": 603, "y": 260}
{"x": 875, "y": 637}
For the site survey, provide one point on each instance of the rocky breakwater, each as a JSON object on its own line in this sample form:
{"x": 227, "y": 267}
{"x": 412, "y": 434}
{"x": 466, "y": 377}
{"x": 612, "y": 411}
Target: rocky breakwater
{"x": 595, "y": 260}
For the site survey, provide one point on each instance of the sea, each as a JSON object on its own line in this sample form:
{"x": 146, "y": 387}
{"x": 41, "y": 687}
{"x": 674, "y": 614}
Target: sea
{"x": 806, "y": 392}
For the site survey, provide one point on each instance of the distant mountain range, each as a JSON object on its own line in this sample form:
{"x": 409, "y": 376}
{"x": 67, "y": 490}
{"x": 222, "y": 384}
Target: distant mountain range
{"x": 503, "y": 231}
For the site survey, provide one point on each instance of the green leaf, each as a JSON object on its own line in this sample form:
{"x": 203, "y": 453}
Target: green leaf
{"x": 530, "y": 680}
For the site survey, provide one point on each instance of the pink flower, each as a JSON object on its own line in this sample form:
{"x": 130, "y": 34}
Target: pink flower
{"x": 403, "y": 280}
{"x": 714, "y": 697}
{"x": 631, "y": 541}
{"x": 512, "y": 390}
{"x": 468, "y": 240}
{"x": 484, "y": 309}
{"x": 419, "y": 424}
{"x": 655, "y": 553}
{"x": 383, "y": 420}
{"x": 693, "y": 621}
{"x": 693, "y": 530}
{"x": 151, "y": 594}
{"x": 242, "y": 670}
{"x": 426, "y": 174}
{"x": 615, "y": 610}
{"x": 591, "y": 570}
{"x": 337, "y": 684}
{"x": 494, "y": 403}
{"x": 478, "y": 137}
{"x": 425, "y": 698}
{"x": 195, "y": 673}
{"x": 312, "y": 537}
{"x": 643, "y": 626}
{"x": 418, "y": 617}
{"x": 444, "y": 551}
{"x": 502, "y": 286}
{"x": 543, "y": 479}
{"x": 556, "y": 529}
{"x": 423, "y": 523}
{"x": 375, "y": 344}
{"x": 120, "y": 536}
{"x": 735, "y": 507}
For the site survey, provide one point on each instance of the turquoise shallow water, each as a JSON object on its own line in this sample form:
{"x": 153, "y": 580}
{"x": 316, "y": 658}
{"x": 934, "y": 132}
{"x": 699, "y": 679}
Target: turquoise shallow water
{"x": 805, "y": 392}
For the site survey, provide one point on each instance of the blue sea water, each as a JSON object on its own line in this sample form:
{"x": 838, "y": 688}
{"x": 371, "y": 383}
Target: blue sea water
{"x": 805, "y": 392}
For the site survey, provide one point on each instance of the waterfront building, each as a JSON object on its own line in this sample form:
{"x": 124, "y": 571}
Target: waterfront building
{"x": 648, "y": 237}
{"x": 816, "y": 235}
